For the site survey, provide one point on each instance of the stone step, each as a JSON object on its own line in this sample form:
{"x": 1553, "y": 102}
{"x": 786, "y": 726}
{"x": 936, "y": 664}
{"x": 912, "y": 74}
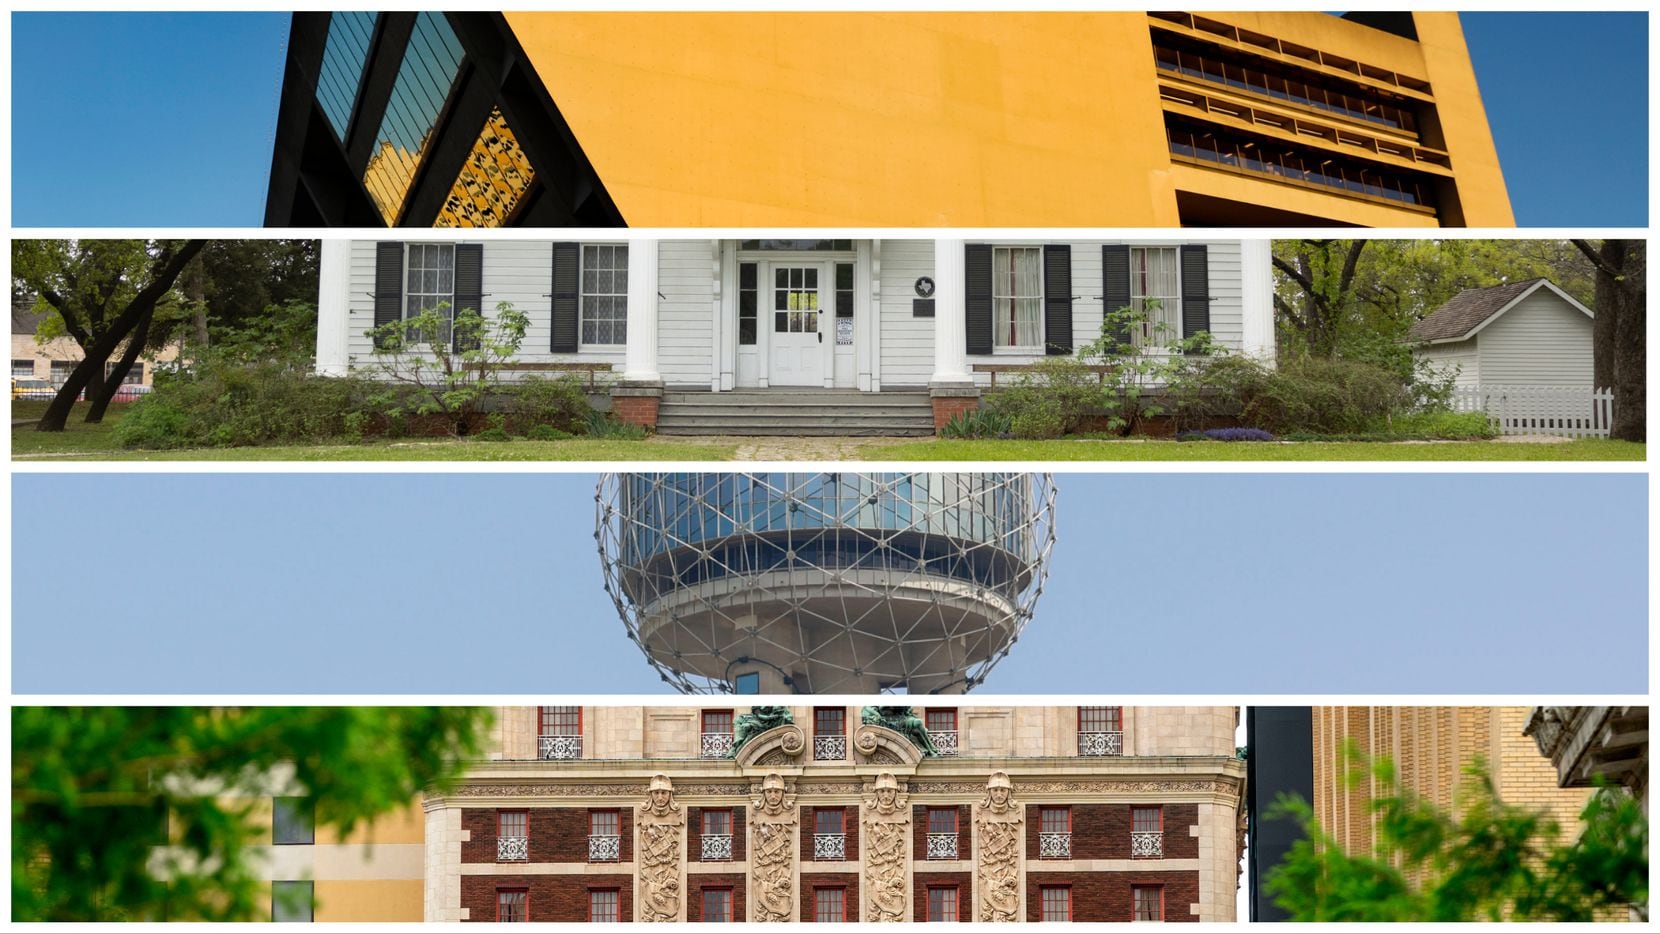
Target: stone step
{"x": 791, "y": 412}
{"x": 793, "y": 399}
{"x": 821, "y": 431}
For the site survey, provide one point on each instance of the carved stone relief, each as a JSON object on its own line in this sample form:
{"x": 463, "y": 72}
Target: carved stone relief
{"x": 887, "y": 850}
{"x": 999, "y": 822}
{"x": 772, "y": 854}
{"x": 662, "y": 828}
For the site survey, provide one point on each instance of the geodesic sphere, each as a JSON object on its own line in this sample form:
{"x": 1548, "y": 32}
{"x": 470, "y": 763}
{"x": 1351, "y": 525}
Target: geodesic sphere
{"x": 825, "y": 583}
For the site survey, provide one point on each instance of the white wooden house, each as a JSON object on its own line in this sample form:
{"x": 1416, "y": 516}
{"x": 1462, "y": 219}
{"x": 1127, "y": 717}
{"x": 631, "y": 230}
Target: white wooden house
{"x": 1527, "y": 333}
{"x": 905, "y": 331}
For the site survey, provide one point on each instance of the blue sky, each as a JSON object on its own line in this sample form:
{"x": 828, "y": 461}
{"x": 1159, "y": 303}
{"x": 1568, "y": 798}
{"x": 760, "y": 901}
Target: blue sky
{"x": 166, "y": 119}
{"x": 1162, "y": 583}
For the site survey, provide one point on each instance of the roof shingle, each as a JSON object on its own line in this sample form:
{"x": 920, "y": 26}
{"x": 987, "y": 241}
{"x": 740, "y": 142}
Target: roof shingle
{"x": 1467, "y": 310}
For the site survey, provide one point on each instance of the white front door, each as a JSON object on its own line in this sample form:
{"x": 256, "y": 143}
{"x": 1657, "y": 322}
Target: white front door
{"x": 796, "y": 354}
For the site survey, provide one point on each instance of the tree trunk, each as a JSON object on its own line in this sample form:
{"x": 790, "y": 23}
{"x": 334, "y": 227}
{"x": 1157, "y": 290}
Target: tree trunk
{"x": 57, "y": 413}
{"x": 1606, "y": 323}
{"x": 118, "y": 376}
{"x": 1631, "y": 344}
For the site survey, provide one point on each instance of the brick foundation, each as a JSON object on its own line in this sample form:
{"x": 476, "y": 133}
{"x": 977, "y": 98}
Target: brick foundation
{"x": 948, "y": 407}
{"x": 636, "y": 410}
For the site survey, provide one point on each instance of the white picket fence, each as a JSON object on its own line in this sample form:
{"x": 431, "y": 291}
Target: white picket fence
{"x": 1570, "y": 411}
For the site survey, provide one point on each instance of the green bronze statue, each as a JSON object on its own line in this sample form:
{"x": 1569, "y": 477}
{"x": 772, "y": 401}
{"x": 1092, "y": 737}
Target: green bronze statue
{"x": 759, "y": 720}
{"x": 905, "y": 722}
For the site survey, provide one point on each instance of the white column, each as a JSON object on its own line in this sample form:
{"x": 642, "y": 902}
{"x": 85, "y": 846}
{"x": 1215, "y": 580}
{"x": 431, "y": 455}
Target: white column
{"x": 640, "y": 358}
{"x": 950, "y": 316}
{"x": 334, "y": 307}
{"x": 1256, "y": 289}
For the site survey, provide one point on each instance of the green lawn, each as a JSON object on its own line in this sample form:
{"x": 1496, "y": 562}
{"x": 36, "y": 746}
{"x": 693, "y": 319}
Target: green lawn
{"x": 80, "y": 441}
{"x": 1585, "y": 449}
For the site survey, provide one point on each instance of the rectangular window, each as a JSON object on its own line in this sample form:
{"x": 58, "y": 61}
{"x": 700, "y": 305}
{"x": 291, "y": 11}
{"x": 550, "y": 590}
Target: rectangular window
{"x": 942, "y": 833}
{"x": 717, "y": 822}
{"x": 1055, "y": 820}
{"x": 1148, "y": 902}
{"x": 605, "y": 293}
{"x": 61, "y": 370}
{"x": 561, "y": 721}
{"x": 1017, "y": 296}
{"x": 512, "y": 836}
{"x": 429, "y": 281}
{"x": 135, "y": 373}
{"x": 602, "y": 905}
{"x": 23, "y": 368}
{"x": 1100, "y": 719}
{"x": 844, "y": 290}
{"x": 292, "y": 900}
{"x": 512, "y": 823}
{"x": 1155, "y": 294}
{"x": 559, "y": 733}
{"x": 830, "y": 733}
{"x": 942, "y": 729}
{"x": 292, "y": 821}
{"x": 942, "y": 903}
{"x": 829, "y": 820}
{"x": 1056, "y": 901}
{"x": 829, "y": 905}
{"x": 748, "y": 302}
{"x": 512, "y": 905}
{"x": 603, "y": 823}
{"x": 604, "y": 836}
{"x": 717, "y": 735}
{"x": 1147, "y": 820}
{"x": 717, "y": 905}
{"x": 1147, "y": 832}
{"x": 942, "y": 820}
{"x": 1054, "y": 833}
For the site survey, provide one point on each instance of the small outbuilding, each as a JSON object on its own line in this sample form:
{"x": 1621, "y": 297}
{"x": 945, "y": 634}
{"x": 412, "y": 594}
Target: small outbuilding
{"x": 1519, "y": 334}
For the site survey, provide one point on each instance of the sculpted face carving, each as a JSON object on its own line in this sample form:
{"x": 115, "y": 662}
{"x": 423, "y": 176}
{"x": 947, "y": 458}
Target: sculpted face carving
{"x": 773, "y": 796}
{"x": 887, "y": 835}
{"x": 661, "y": 826}
{"x": 999, "y": 824}
{"x": 660, "y": 798}
{"x": 772, "y": 852}
{"x": 884, "y": 797}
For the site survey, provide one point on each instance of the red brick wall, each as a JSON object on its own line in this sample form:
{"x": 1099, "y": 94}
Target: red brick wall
{"x": 552, "y": 898}
{"x": 809, "y": 822}
{"x": 557, "y": 835}
{"x": 1102, "y": 831}
{"x": 697, "y": 882}
{"x": 635, "y": 410}
{"x": 919, "y": 833}
{"x": 694, "y": 833}
{"x": 919, "y": 893}
{"x": 818, "y": 880}
{"x": 1105, "y": 896}
{"x": 948, "y": 407}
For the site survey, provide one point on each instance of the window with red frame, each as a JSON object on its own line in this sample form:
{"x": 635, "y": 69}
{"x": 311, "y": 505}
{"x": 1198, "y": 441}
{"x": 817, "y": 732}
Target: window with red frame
{"x": 717, "y": 904}
{"x": 512, "y": 824}
{"x": 1148, "y": 902}
{"x": 717, "y": 721}
{"x": 1100, "y": 719}
{"x": 829, "y": 820}
{"x": 604, "y": 823}
{"x": 512, "y": 905}
{"x": 829, "y": 721}
{"x": 1147, "y": 820}
{"x": 1055, "y": 902}
{"x": 603, "y": 905}
{"x": 717, "y": 822}
{"x": 942, "y": 820}
{"x": 942, "y": 720}
{"x": 1054, "y": 820}
{"x": 561, "y": 721}
{"x": 942, "y": 903}
{"x": 829, "y": 905}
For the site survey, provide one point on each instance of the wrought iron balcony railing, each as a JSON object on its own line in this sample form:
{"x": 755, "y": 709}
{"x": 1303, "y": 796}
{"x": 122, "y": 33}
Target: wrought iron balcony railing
{"x": 716, "y": 746}
{"x": 829, "y": 846}
{"x": 1146, "y": 844}
{"x": 717, "y": 847}
{"x": 1055, "y": 845}
{"x": 945, "y": 741}
{"x": 1106, "y": 743}
{"x": 512, "y": 849}
{"x": 942, "y": 846}
{"x": 830, "y": 748}
{"x": 559, "y": 746}
{"x": 604, "y": 848}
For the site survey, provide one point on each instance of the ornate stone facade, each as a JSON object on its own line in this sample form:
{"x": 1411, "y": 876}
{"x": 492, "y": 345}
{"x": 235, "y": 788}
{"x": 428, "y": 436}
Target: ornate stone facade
{"x": 887, "y": 850}
{"x": 773, "y": 821}
{"x": 662, "y": 828}
{"x": 999, "y": 825}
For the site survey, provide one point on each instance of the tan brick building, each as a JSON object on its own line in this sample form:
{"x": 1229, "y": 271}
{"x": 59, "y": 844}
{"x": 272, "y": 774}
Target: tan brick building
{"x": 968, "y": 814}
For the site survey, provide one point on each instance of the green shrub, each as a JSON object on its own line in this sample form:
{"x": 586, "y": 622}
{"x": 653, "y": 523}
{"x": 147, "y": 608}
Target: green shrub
{"x": 560, "y": 403}
{"x": 547, "y": 433}
{"x": 493, "y": 434}
{"x": 978, "y": 423}
{"x": 1326, "y": 396}
{"x": 1053, "y": 398}
{"x": 601, "y": 425}
{"x": 220, "y": 405}
{"x": 155, "y": 422}
{"x": 1440, "y": 426}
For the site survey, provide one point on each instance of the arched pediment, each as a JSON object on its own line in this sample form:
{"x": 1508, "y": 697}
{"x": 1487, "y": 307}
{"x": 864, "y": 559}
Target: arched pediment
{"x": 781, "y": 745}
{"x": 878, "y": 745}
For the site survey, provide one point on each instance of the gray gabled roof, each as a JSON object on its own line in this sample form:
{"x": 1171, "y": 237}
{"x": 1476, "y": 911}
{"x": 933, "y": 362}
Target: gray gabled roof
{"x": 1471, "y": 309}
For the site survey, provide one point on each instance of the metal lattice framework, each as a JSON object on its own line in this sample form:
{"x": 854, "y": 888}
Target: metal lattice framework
{"x": 825, "y": 583}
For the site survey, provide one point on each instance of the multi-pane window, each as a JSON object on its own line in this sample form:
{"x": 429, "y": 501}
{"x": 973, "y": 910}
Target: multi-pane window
{"x": 292, "y": 900}
{"x": 942, "y": 903}
{"x": 135, "y": 373}
{"x": 292, "y": 821}
{"x": 717, "y": 835}
{"x": 1147, "y": 832}
{"x": 829, "y": 905}
{"x": 23, "y": 368}
{"x": 1147, "y": 902}
{"x": 717, "y": 905}
{"x": 1155, "y": 294}
{"x": 61, "y": 370}
{"x": 429, "y": 281}
{"x": 748, "y": 302}
{"x": 830, "y": 733}
{"x": 604, "y": 836}
{"x": 1055, "y": 902}
{"x": 512, "y": 905}
{"x": 605, "y": 293}
{"x": 602, "y": 905}
{"x": 512, "y": 836}
{"x": 1054, "y": 833}
{"x": 830, "y": 833}
{"x": 1017, "y": 296}
{"x": 717, "y": 735}
{"x": 1100, "y": 731}
{"x": 559, "y": 733}
{"x": 942, "y": 729}
{"x": 942, "y": 833}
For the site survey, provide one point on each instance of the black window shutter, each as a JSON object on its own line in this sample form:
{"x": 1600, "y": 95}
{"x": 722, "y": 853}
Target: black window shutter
{"x": 1115, "y": 285}
{"x": 1057, "y": 299}
{"x": 567, "y": 261}
{"x": 388, "y": 283}
{"x": 977, "y": 290}
{"x": 1195, "y": 290}
{"x": 469, "y": 288}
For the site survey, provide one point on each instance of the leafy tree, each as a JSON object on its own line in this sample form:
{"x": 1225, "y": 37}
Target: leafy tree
{"x": 1493, "y": 861}
{"x": 146, "y": 813}
{"x": 1619, "y": 339}
{"x": 233, "y": 286}
{"x": 444, "y": 365}
{"x": 104, "y": 294}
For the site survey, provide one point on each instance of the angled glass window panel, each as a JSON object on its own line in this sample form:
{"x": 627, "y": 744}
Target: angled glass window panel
{"x": 344, "y": 55}
{"x": 492, "y": 181}
{"x": 431, "y": 62}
